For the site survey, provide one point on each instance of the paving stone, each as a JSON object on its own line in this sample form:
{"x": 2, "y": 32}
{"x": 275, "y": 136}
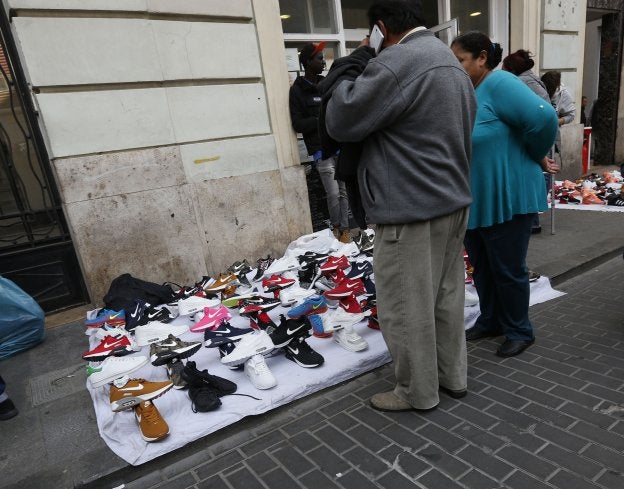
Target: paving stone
{"x": 513, "y": 435}
{"x": 182, "y": 482}
{"x": 328, "y": 461}
{"x": 263, "y": 442}
{"x": 477, "y": 480}
{"x": 576, "y": 352}
{"x": 316, "y": 479}
{"x": 520, "y": 480}
{"x": 441, "y": 437}
{"x": 486, "y": 462}
{"x": 599, "y": 379}
{"x": 592, "y": 416}
{"x": 341, "y": 404}
{"x": 343, "y": 421}
{"x": 560, "y": 437}
{"x": 511, "y": 416}
{"x": 440, "y": 417}
{"x": 548, "y": 415}
{"x": 527, "y": 461}
{"x": 443, "y": 461}
{"x": 570, "y": 481}
{"x": 409, "y": 465}
{"x": 612, "y": 479}
{"x": 370, "y": 417}
{"x": 334, "y": 438}
{"x": 394, "y": 480}
{"x": 474, "y": 416}
{"x": 598, "y": 435}
{"x": 575, "y": 396}
{"x": 476, "y": 386}
{"x": 479, "y": 437}
{"x": 261, "y": 463}
{"x": 304, "y": 441}
{"x": 308, "y": 421}
{"x": 214, "y": 482}
{"x": 437, "y": 480}
{"x": 478, "y": 401}
{"x": 555, "y": 366}
{"x": 571, "y": 461}
{"x": 533, "y": 381}
{"x": 244, "y": 478}
{"x": 608, "y": 458}
{"x": 369, "y": 438}
{"x": 366, "y": 462}
{"x": 391, "y": 453}
{"x": 279, "y": 478}
{"x": 493, "y": 368}
{"x": 410, "y": 420}
{"x": 403, "y": 437}
{"x": 354, "y": 480}
{"x": 540, "y": 397}
{"x": 609, "y": 394}
{"x": 218, "y": 464}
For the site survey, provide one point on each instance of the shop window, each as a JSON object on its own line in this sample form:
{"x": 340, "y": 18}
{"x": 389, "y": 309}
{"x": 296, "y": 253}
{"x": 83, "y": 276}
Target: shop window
{"x": 308, "y": 16}
{"x": 471, "y": 16}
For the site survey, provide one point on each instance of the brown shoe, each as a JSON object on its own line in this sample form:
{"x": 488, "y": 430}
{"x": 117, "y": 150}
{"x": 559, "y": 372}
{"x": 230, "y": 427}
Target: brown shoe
{"x": 222, "y": 282}
{"x": 345, "y": 236}
{"x": 388, "y": 401}
{"x": 136, "y": 391}
{"x": 153, "y": 427}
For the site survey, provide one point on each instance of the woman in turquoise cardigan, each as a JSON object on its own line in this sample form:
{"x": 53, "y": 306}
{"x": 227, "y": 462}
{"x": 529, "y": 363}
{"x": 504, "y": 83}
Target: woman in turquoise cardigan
{"x": 514, "y": 129}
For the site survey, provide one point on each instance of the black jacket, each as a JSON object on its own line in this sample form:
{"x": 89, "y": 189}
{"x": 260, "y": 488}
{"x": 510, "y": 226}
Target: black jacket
{"x": 305, "y": 105}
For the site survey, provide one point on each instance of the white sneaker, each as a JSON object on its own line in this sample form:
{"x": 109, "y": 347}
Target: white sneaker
{"x": 100, "y": 333}
{"x": 342, "y": 319}
{"x": 284, "y": 264}
{"x": 112, "y": 368}
{"x": 258, "y": 373}
{"x": 194, "y": 304}
{"x": 348, "y": 250}
{"x": 471, "y": 299}
{"x": 156, "y": 331}
{"x": 249, "y": 345}
{"x": 294, "y": 294}
{"x": 349, "y": 339}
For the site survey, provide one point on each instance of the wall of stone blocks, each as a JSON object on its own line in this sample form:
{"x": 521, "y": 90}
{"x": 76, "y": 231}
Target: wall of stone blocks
{"x": 168, "y": 130}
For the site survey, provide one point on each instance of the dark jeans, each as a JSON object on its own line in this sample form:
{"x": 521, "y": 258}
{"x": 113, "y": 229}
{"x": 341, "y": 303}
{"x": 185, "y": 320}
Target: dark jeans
{"x": 498, "y": 255}
{"x": 2, "y": 386}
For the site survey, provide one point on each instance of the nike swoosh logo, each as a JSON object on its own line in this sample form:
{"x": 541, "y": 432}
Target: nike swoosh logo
{"x": 151, "y": 315}
{"x": 213, "y": 316}
{"x": 295, "y": 351}
{"x": 167, "y": 344}
{"x": 223, "y": 331}
{"x": 110, "y": 345}
{"x": 291, "y": 331}
{"x": 316, "y": 306}
{"x": 113, "y": 316}
{"x": 137, "y": 388}
{"x": 136, "y": 312}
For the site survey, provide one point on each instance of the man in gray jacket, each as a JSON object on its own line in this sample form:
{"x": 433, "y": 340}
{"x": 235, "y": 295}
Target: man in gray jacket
{"x": 413, "y": 107}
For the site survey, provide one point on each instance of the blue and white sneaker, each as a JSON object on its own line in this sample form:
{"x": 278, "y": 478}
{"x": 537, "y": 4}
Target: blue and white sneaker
{"x": 315, "y": 304}
{"x": 360, "y": 269}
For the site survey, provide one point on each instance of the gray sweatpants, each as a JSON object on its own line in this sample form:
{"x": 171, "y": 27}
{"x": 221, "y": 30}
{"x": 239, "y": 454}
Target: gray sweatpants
{"x": 419, "y": 277}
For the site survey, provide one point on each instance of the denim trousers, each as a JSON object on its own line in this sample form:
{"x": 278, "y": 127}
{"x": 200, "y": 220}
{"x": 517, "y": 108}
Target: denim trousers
{"x": 501, "y": 277}
{"x": 337, "y": 201}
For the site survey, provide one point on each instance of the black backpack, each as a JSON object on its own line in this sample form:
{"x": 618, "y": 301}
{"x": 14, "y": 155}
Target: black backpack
{"x": 125, "y": 289}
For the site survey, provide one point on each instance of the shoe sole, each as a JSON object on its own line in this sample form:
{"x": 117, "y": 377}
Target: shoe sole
{"x": 350, "y": 347}
{"x": 115, "y": 352}
{"x": 304, "y": 365}
{"x": 233, "y": 360}
{"x": 129, "y": 402}
{"x": 163, "y": 360}
{"x": 219, "y": 340}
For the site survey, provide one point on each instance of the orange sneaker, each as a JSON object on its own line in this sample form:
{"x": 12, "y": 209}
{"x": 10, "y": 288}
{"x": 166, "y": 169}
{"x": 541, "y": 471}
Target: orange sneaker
{"x": 223, "y": 281}
{"x": 153, "y": 427}
{"x": 125, "y": 394}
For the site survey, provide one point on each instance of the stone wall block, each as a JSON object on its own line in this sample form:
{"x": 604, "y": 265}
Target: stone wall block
{"x": 296, "y": 199}
{"x": 106, "y": 175}
{"x": 152, "y": 235}
{"x": 568, "y": 15}
{"x": 571, "y": 149}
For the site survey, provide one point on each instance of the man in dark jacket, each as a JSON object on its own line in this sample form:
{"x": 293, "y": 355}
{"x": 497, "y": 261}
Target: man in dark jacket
{"x": 413, "y": 108}
{"x": 305, "y": 105}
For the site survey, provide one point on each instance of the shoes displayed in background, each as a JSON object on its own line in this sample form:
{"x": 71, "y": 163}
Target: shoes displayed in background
{"x": 348, "y": 339}
{"x": 212, "y": 317}
{"x": 221, "y": 282}
{"x": 258, "y": 373}
{"x": 151, "y": 424}
{"x": 126, "y": 393}
{"x": 249, "y": 345}
{"x": 113, "y": 368}
{"x": 276, "y": 283}
{"x": 194, "y": 304}
{"x": 241, "y": 269}
{"x": 303, "y": 354}
{"x": 170, "y": 348}
{"x": 202, "y": 379}
{"x": 224, "y": 333}
{"x": 261, "y": 265}
{"x": 174, "y": 373}
{"x": 315, "y": 304}
{"x": 365, "y": 241}
{"x": 289, "y": 329}
{"x": 118, "y": 345}
{"x": 156, "y": 331}
{"x": 97, "y": 318}
{"x": 294, "y": 294}
{"x": 143, "y": 312}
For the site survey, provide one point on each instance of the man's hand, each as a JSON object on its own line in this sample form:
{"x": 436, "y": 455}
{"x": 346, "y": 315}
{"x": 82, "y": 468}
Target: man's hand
{"x": 549, "y": 165}
{"x": 364, "y": 42}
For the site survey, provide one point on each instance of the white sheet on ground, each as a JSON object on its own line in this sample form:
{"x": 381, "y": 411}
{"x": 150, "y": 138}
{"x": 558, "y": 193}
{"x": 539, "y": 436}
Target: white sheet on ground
{"x": 589, "y": 207}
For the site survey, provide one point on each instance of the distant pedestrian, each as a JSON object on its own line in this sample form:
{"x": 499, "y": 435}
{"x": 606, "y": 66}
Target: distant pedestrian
{"x": 7, "y": 408}
{"x": 416, "y": 146}
{"x": 513, "y": 132}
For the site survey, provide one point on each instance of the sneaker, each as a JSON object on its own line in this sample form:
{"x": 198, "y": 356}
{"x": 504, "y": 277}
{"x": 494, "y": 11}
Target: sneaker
{"x": 533, "y": 276}
{"x": 258, "y": 373}
{"x": 288, "y": 329}
{"x": 302, "y": 354}
{"x": 192, "y": 305}
{"x": 261, "y": 265}
{"x": 115, "y": 346}
{"x": 108, "y": 316}
{"x": 365, "y": 242}
{"x": 258, "y": 303}
{"x": 335, "y": 263}
{"x": 153, "y": 427}
{"x": 318, "y": 325}
{"x": 324, "y": 283}
{"x": 203, "y": 399}
{"x": 294, "y": 294}
{"x": 113, "y": 368}
{"x": 106, "y": 330}
{"x": 170, "y": 348}
{"x": 226, "y": 349}
{"x": 346, "y": 288}
{"x": 262, "y": 321}
{"x": 240, "y": 269}
{"x": 221, "y": 282}
{"x": 213, "y": 316}
{"x": 248, "y": 346}
{"x": 472, "y": 299}
{"x": 156, "y": 331}
{"x": 236, "y": 300}
{"x": 369, "y": 285}
{"x": 7, "y": 410}
{"x": 196, "y": 378}
{"x": 312, "y": 257}
{"x": 276, "y": 282}
{"x": 224, "y": 333}
{"x": 174, "y": 373}
{"x": 127, "y": 393}
{"x": 348, "y": 339}
{"x": 341, "y": 318}
{"x": 360, "y": 269}
{"x": 315, "y": 304}
{"x": 284, "y": 264}
{"x": 143, "y": 312}
{"x": 351, "y": 304}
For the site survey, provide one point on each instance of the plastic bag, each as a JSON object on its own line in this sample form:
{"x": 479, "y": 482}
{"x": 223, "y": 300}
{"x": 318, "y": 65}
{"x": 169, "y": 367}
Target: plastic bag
{"x": 21, "y": 320}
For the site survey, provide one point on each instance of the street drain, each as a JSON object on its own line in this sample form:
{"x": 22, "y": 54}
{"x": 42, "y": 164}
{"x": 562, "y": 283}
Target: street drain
{"x": 58, "y": 384}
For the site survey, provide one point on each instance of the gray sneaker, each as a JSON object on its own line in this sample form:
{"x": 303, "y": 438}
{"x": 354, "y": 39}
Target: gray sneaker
{"x": 174, "y": 372}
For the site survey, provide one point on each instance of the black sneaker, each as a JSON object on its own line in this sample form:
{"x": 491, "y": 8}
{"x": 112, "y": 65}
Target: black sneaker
{"x": 166, "y": 350}
{"x": 302, "y": 354}
{"x": 241, "y": 269}
{"x": 174, "y": 373}
{"x": 195, "y": 378}
{"x": 289, "y": 329}
{"x": 262, "y": 265}
{"x": 203, "y": 399}
{"x": 224, "y": 333}
{"x": 226, "y": 349}
{"x": 7, "y": 410}
{"x": 142, "y": 313}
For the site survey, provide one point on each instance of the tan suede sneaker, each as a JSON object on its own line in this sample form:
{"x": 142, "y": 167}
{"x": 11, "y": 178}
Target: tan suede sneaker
{"x": 153, "y": 427}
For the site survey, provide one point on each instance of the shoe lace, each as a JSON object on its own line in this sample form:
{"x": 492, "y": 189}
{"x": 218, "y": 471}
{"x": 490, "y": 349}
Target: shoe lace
{"x": 149, "y": 413}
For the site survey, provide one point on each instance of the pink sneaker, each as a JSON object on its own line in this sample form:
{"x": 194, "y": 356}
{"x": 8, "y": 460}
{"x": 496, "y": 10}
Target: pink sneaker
{"x": 213, "y": 316}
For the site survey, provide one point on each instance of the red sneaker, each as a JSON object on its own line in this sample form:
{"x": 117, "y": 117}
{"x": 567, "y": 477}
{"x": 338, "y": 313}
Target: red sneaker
{"x": 350, "y": 304}
{"x": 346, "y": 288}
{"x": 276, "y": 283}
{"x": 335, "y": 263}
{"x": 110, "y": 346}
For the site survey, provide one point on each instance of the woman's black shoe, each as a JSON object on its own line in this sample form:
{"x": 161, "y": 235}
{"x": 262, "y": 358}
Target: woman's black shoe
{"x": 511, "y": 348}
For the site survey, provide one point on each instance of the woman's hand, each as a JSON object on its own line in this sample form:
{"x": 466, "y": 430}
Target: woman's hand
{"x": 549, "y": 166}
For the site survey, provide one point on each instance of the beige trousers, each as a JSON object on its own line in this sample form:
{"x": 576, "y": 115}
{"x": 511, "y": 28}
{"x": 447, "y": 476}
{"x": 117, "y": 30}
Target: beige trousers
{"x": 419, "y": 275}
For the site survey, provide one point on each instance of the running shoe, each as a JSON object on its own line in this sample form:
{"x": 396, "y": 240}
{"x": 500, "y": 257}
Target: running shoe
{"x": 213, "y": 316}
{"x": 126, "y": 393}
{"x": 289, "y": 329}
{"x": 261, "y": 265}
{"x": 360, "y": 269}
{"x": 258, "y": 303}
{"x": 143, "y": 312}
{"x": 203, "y": 399}
{"x": 194, "y": 304}
{"x": 221, "y": 282}
{"x": 224, "y": 333}
{"x": 174, "y": 373}
{"x": 226, "y": 349}
{"x": 284, "y": 264}
{"x": 315, "y": 304}
{"x": 240, "y": 269}
{"x": 151, "y": 424}
{"x": 236, "y": 300}
{"x": 258, "y": 373}
{"x": 348, "y": 339}
{"x": 334, "y": 263}
{"x": 317, "y": 321}
{"x": 294, "y": 294}
{"x": 249, "y": 345}
{"x": 113, "y": 368}
{"x": 116, "y": 346}
{"x": 263, "y": 321}
{"x": 276, "y": 282}
{"x": 164, "y": 351}
{"x": 201, "y": 378}
{"x": 108, "y": 316}
{"x": 351, "y": 304}
{"x": 156, "y": 331}
{"x": 346, "y": 288}
{"x": 303, "y": 354}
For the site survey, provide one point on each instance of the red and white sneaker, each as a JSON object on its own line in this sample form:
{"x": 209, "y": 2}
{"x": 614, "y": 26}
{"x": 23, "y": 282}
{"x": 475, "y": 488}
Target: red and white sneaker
{"x": 335, "y": 263}
{"x": 276, "y": 283}
{"x": 351, "y": 305}
{"x": 345, "y": 288}
{"x": 213, "y": 316}
{"x": 111, "y": 346}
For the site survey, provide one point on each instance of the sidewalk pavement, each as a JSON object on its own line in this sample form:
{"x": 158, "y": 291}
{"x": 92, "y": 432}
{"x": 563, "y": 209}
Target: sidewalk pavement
{"x": 550, "y": 418}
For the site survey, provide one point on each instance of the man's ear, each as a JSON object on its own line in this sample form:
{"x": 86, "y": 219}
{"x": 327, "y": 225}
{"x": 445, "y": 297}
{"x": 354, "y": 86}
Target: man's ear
{"x": 382, "y": 28}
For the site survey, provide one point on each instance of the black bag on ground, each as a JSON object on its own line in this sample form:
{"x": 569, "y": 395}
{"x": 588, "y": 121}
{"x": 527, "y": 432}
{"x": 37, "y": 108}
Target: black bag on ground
{"x": 125, "y": 289}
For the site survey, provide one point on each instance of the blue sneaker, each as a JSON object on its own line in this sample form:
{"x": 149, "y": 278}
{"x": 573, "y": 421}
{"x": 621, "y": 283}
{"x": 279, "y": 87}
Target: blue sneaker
{"x": 108, "y": 316}
{"x": 315, "y": 304}
{"x": 360, "y": 269}
{"x": 318, "y": 326}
